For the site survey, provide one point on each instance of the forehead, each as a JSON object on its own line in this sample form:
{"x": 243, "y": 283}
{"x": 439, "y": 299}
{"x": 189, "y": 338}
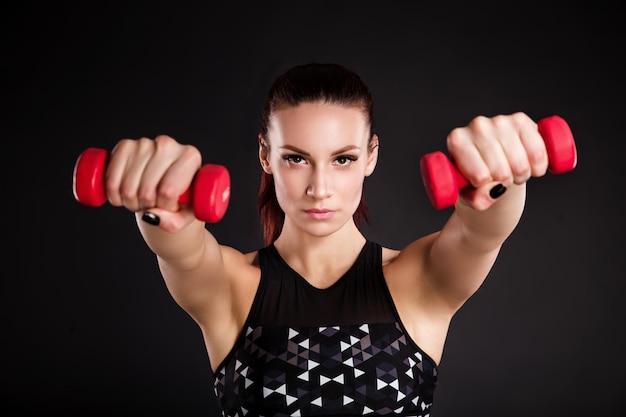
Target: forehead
{"x": 311, "y": 123}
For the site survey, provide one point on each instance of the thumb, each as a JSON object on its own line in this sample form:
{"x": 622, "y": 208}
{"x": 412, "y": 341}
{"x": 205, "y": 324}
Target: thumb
{"x": 482, "y": 197}
{"x": 170, "y": 221}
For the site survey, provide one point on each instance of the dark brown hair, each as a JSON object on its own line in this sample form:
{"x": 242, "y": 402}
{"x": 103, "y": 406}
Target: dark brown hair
{"x": 314, "y": 82}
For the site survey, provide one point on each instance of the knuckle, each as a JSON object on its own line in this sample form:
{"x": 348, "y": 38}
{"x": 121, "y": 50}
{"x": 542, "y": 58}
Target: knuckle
{"x": 147, "y": 198}
{"x": 123, "y": 147}
{"x": 111, "y": 192}
{"x": 192, "y": 153}
{"x": 502, "y": 174}
{"x": 455, "y": 138}
{"x": 127, "y": 194}
{"x": 481, "y": 124}
{"x": 168, "y": 191}
{"x": 164, "y": 142}
{"x": 537, "y": 156}
{"x": 477, "y": 176}
{"x": 520, "y": 117}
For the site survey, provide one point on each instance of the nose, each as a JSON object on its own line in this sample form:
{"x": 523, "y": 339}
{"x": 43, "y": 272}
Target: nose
{"x": 319, "y": 185}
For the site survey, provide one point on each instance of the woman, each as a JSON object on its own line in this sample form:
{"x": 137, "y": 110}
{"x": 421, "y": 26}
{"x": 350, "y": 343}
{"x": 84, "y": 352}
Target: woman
{"x": 321, "y": 320}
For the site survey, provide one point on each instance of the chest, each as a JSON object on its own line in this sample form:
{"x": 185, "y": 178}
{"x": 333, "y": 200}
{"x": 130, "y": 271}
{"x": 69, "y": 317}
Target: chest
{"x": 343, "y": 369}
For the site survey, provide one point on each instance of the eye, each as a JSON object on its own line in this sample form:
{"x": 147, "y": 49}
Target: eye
{"x": 345, "y": 160}
{"x": 294, "y": 159}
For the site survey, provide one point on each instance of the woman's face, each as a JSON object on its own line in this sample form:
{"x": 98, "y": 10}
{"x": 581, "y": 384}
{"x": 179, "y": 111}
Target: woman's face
{"x": 319, "y": 155}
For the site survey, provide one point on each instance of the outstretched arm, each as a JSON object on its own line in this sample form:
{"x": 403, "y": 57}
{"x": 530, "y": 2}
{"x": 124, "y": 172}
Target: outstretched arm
{"x": 497, "y": 155}
{"x": 148, "y": 176}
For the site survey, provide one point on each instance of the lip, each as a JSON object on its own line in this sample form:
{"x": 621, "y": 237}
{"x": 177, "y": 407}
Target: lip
{"x": 320, "y": 214}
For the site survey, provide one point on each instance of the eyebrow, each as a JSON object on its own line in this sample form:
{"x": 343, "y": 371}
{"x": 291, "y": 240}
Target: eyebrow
{"x": 337, "y": 152}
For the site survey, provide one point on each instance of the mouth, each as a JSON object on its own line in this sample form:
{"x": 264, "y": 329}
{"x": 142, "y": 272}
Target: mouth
{"x": 320, "y": 214}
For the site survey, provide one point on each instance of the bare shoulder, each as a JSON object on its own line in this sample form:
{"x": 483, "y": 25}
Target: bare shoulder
{"x": 405, "y": 269}
{"x": 415, "y": 251}
{"x": 242, "y": 270}
{"x": 235, "y": 257}
{"x": 389, "y": 255}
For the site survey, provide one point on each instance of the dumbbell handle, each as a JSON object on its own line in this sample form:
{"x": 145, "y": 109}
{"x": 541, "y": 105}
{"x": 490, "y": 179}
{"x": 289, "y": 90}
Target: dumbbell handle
{"x": 443, "y": 180}
{"x": 208, "y": 194}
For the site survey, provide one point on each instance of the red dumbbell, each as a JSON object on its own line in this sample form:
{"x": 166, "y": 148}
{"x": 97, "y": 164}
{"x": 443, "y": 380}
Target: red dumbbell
{"x": 209, "y": 193}
{"x": 443, "y": 180}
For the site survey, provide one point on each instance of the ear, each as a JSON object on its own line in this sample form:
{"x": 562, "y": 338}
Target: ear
{"x": 372, "y": 157}
{"x": 264, "y": 154}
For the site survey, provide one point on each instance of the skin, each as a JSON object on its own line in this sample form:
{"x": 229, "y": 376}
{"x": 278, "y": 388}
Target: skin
{"x": 319, "y": 156}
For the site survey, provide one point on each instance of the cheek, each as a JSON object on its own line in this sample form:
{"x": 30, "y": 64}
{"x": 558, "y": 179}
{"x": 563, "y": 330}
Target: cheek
{"x": 288, "y": 187}
{"x": 354, "y": 187}
{"x": 349, "y": 187}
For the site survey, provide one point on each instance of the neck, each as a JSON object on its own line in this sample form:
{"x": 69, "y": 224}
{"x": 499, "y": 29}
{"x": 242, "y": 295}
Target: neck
{"x": 321, "y": 260}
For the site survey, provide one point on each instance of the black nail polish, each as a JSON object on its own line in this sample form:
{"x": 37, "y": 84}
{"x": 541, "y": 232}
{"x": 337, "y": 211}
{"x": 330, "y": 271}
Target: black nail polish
{"x": 497, "y": 191}
{"x": 151, "y": 218}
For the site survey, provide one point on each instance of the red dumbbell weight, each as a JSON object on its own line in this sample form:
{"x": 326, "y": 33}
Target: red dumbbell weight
{"x": 208, "y": 195}
{"x": 443, "y": 180}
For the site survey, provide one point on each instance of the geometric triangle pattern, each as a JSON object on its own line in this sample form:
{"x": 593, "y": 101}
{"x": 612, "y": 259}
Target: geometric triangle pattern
{"x": 368, "y": 369}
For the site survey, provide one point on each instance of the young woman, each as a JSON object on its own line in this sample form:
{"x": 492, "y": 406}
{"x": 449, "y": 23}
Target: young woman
{"x": 321, "y": 320}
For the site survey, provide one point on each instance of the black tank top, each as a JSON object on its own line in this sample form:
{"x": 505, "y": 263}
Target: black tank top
{"x": 339, "y": 351}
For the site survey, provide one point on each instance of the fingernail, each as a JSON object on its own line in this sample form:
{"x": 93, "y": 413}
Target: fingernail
{"x": 497, "y": 191}
{"x": 151, "y": 218}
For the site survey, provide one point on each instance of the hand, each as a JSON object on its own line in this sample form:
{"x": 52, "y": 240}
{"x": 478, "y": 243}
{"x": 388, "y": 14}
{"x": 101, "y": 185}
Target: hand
{"x": 491, "y": 152}
{"x": 150, "y": 175}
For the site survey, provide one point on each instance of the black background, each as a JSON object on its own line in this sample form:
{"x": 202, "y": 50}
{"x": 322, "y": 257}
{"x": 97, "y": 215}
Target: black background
{"x": 90, "y": 328}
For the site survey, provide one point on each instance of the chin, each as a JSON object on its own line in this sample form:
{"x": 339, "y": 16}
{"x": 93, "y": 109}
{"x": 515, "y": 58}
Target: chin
{"x": 323, "y": 229}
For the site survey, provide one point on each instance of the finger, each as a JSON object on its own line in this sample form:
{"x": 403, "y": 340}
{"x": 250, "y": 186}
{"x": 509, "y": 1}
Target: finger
{"x": 535, "y": 148}
{"x": 525, "y": 149}
{"x": 483, "y": 197}
{"x": 508, "y": 135}
{"x": 467, "y": 157}
{"x": 134, "y": 174}
{"x": 162, "y": 154}
{"x": 177, "y": 177}
{"x": 116, "y": 177}
{"x": 478, "y": 153}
